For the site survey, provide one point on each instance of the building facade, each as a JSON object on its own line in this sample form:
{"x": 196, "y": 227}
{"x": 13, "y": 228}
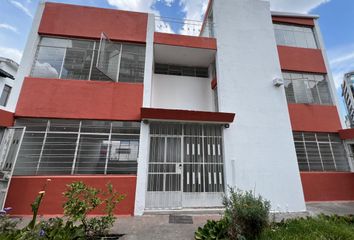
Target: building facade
{"x": 172, "y": 120}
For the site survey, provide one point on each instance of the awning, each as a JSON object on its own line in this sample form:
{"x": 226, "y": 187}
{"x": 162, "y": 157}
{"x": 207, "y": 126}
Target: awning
{"x": 186, "y": 115}
{"x": 5, "y": 74}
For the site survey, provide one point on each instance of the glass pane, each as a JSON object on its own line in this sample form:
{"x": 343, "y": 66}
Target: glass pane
{"x": 289, "y": 91}
{"x": 157, "y": 149}
{"x": 29, "y": 153}
{"x": 58, "y": 125}
{"x": 32, "y": 124}
{"x": 58, "y": 154}
{"x": 97, "y": 75}
{"x": 95, "y": 126}
{"x": 108, "y": 59}
{"x": 301, "y": 156}
{"x": 123, "y": 155}
{"x": 132, "y": 63}
{"x": 126, "y": 127}
{"x": 300, "y": 39}
{"x": 92, "y": 154}
{"x": 327, "y": 157}
{"x": 300, "y": 90}
{"x": 48, "y": 62}
{"x": 313, "y": 156}
{"x": 77, "y": 64}
{"x": 323, "y": 90}
{"x": 5, "y": 95}
{"x": 340, "y": 157}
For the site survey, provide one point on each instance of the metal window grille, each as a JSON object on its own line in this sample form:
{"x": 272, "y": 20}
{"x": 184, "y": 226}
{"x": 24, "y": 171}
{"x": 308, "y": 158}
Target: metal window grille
{"x": 65, "y": 147}
{"x": 166, "y": 69}
{"x": 320, "y": 152}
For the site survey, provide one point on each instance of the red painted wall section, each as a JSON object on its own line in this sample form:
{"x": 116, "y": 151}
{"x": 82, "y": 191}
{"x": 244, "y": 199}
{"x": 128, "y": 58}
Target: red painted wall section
{"x": 294, "y": 20}
{"x": 6, "y": 118}
{"x": 88, "y": 22}
{"x": 328, "y": 186}
{"x": 75, "y": 99}
{"x": 301, "y": 60}
{"x": 314, "y": 118}
{"x": 184, "y": 41}
{"x": 23, "y": 191}
{"x": 346, "y": 134}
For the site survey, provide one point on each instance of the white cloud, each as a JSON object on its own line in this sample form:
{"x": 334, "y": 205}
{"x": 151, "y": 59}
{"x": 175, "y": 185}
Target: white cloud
{"x": 8, "y": 27}
{"x": 341, "y": 61}
{"x": 133, "y": 5}
{"x": 22, "y": 8}
{"x": 11, "y": 53}
{"x": 168, "y": 2}
{"x": 300, "y": 6}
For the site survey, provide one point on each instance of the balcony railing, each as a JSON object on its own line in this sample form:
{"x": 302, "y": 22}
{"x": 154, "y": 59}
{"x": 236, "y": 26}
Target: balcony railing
{"x": 184, "y": 26}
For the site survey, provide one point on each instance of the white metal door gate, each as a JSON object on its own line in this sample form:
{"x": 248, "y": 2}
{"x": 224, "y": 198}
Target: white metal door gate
{"x": 9, "y": 149}
{"x": 185, "y": 166}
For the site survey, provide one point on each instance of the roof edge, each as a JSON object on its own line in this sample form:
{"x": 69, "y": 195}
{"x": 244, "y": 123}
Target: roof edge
{"x": 294, "y": 15}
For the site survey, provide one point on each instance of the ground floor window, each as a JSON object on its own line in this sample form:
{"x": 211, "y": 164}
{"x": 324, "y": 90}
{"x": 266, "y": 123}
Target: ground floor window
{"x": 320, "y": 152}
{"x": 64, "y": 147}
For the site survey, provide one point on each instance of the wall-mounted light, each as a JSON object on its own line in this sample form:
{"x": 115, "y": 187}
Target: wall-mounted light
{"x": 145, "y": 121}
{"x": 278, "y": 82}
{"x": 227, "y": 125}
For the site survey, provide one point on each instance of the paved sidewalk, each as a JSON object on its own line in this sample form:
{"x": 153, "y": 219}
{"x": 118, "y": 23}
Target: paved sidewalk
{"x": 158, "y": 226}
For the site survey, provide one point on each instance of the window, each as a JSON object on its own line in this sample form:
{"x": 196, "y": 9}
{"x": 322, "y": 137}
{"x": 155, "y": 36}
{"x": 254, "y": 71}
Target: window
{"x": 295, "y": 36}
{"x": 77, "y": 58}
{"x": 201, "y": 72}
{"x": 306, "y": 88}
{"x": 5, "y": 95}
{"x": 320, "y": 152}
{"x": 65, "y": 147}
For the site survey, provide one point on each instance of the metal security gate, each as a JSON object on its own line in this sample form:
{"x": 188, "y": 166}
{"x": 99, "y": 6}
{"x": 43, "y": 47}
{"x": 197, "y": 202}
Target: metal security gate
{"x": 185, "y": 166}
{"x": 9, "y": 148}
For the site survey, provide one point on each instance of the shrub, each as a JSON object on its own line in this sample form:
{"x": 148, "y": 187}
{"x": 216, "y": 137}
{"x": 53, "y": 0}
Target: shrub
{"x": 83, "y": 199}
{"x": 246, "y": 214}
{"x": 212, "y": 230}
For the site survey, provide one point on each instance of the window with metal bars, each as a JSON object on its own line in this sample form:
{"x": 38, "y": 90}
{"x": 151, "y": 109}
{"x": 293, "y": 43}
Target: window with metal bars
{"x": 76, "y": 59}
{"x": 320, "y": 152}
{"x": 64, "y": 147}
{"x": 5, "y": 95}
{"x": 166, "y": 69}
{"x": 306, "y": 88}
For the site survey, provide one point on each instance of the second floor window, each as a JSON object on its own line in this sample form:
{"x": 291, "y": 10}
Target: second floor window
{"x": 5, "y": 95}
{"x": 295, "y": 36}
{"x": 76, "y": 59}
{"x": 307, "y": 88}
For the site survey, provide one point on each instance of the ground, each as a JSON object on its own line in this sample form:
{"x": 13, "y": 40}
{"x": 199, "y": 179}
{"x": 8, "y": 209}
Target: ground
{"x": 157, "y": 227}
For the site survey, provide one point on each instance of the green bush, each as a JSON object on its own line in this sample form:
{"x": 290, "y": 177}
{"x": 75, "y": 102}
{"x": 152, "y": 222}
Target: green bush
{"x": 247, "y": 214}
{"x": 212, "y": 230}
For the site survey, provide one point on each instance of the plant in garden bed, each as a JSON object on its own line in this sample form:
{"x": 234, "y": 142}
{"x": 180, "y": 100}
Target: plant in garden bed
{"x": 83, "y": 199}
{"x": 246, "y": 217}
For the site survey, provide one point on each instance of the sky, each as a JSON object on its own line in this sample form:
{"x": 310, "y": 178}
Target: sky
{"x": 336, "y": 23}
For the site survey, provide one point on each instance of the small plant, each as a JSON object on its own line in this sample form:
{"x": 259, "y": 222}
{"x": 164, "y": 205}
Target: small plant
{"x": 36, "y": 204}
{"x": 247, "y": 214}
{"x": 83, "y": 199}
{"x": 212, "y": 230}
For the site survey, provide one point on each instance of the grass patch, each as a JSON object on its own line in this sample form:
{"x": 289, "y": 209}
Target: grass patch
{"x": 312, "y": 228}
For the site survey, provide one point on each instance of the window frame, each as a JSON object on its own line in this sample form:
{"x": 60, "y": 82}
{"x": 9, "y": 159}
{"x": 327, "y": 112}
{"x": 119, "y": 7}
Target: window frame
{"x": 4, "y": 99}
{"x": 278, "y": 26}
{"x": 69, "y": 128}
{"x": 95, "y": 52}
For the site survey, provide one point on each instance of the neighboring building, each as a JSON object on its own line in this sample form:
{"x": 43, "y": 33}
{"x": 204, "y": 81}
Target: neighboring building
{"x": 348, "y": 95}
{"x": 8, "y": 70}
{"x": 172, "y": 120}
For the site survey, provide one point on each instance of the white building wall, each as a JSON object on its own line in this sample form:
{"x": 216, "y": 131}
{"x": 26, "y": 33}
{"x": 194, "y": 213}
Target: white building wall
{"x": 259, "y": 148}
{"x": 27, "y": 59}
{"x": 144, "y": 141}
{"x": 182, "y": 92}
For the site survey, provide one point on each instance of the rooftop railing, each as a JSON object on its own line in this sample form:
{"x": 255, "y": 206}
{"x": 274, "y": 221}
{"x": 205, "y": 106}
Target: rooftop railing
{"x": 184, "y": 26}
